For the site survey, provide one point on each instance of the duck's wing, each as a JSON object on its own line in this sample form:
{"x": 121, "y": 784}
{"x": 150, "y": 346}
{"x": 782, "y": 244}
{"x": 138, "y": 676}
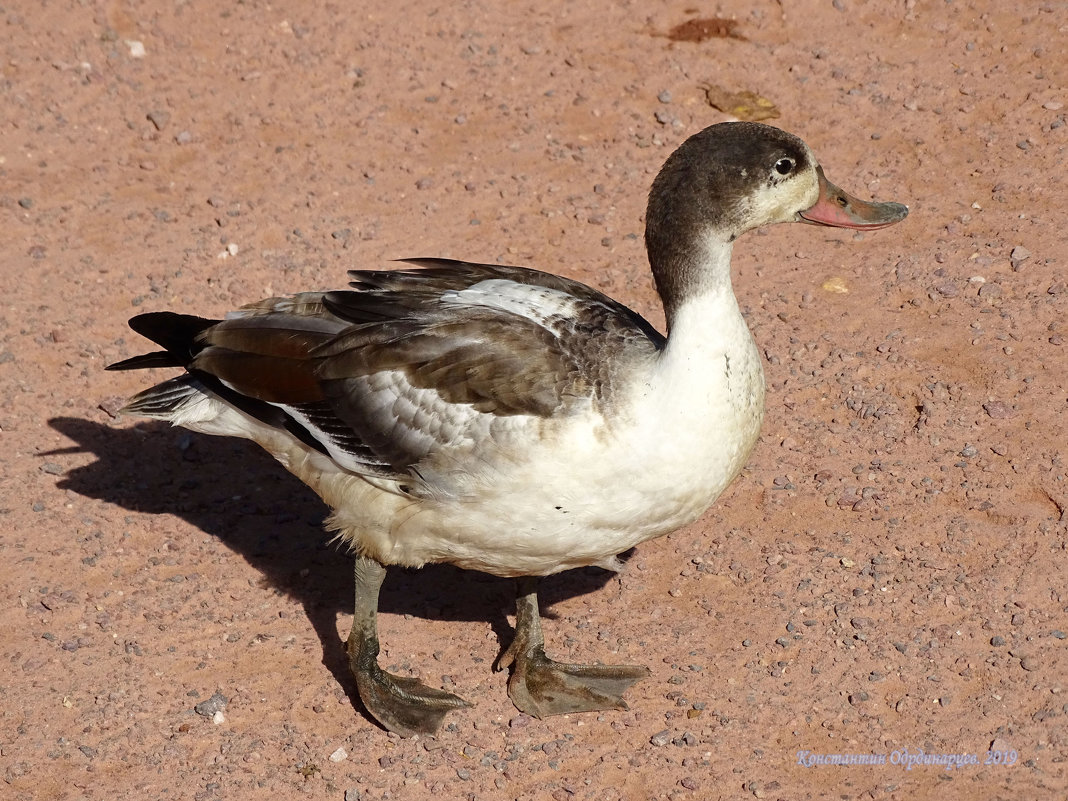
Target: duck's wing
{"x": 410, "y": 373}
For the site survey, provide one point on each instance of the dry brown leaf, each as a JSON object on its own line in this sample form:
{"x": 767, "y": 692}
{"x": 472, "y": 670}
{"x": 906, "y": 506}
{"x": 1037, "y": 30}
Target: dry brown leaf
{"x": 743, "y": 105}
{"x": 700, "y": 30}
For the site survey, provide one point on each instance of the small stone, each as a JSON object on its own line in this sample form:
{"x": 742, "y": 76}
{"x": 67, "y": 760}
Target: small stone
{"x": 998, "y": 410}
{"x": 1020, "y": 253}
{"x": 664, "y": 96}
{"x": 339, "y": 755}
{"x": 1029, "y": 663}
{"x": 997, "y": 641}
{"x": 26, "y": 202}
{"x": 352, "y": 794}
{"x": 208, "y": 708}
{"x": 661, "y": 738}
{"x": 1060, "y": 635}
{"x": 947, "y": 289}
{"x": 136, "y": 48}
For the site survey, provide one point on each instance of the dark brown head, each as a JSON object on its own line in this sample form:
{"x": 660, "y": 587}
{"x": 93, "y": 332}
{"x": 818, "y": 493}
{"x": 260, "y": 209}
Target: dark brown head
{"x": 731, "y": 178}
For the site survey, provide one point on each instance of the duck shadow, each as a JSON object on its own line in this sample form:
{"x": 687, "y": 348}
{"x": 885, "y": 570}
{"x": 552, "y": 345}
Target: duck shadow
{"x": 235, "y": 492}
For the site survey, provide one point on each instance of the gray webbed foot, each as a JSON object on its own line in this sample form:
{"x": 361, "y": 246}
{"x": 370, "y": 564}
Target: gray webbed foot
{"x": 400, "y": 703}
{"x": 541, "y": 686}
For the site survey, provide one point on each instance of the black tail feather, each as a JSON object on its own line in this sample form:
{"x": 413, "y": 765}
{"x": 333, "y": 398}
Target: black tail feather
{"x": 159, "y": 358}
{"x": 177, "y": 333}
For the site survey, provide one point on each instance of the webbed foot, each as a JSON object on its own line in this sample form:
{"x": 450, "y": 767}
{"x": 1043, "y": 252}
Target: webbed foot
{"x": 400, "y": 703}
{"x": 541, "y": 686}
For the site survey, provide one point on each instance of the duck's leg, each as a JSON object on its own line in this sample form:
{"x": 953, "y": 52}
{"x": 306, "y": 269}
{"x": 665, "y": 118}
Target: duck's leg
{"x": 540, "y": 686}
{"x": 400, "y": 703}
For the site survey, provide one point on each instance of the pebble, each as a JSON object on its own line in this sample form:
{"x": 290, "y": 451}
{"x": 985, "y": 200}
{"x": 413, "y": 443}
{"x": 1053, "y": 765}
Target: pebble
{"x": 998, "y": 410}
{"x": 661, "y": 738}
{"x": 1018, "y": 255}
{"x": 997, "y": 641}
{"x": 208, "y": 708}
{"x": 947, "y": 289}
{"x": 339, "y": 755}
{"x": 1029, "y": 663}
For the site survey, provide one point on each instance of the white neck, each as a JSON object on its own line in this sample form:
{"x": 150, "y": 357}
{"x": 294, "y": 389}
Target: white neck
{"x": 709, "y": 380}
{"x": 704, "y": 321}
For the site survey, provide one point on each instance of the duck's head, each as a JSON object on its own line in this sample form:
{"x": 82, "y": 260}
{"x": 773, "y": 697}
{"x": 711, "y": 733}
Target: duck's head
{"x": 736, "y": 176}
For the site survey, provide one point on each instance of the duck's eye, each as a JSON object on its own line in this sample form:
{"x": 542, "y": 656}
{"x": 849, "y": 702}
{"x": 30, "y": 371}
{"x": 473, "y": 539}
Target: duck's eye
{"x": 784, "y": 166}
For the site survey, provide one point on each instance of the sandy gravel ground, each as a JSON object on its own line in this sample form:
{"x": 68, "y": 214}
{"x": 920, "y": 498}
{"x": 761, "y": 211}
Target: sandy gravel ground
{"x": 888, "y": 575}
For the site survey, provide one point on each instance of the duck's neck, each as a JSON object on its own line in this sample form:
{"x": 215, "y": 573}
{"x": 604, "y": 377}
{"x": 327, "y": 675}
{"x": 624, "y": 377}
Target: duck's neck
{"x": 706, "y": 328}
{"x": 691, "y": 275}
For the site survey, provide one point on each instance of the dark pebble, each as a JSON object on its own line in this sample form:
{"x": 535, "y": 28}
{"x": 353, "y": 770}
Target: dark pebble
{"x": 208, "y": 708}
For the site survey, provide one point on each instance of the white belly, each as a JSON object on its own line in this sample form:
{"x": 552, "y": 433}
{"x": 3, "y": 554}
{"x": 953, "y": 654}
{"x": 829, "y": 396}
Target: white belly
{"x": 582, "y": 497}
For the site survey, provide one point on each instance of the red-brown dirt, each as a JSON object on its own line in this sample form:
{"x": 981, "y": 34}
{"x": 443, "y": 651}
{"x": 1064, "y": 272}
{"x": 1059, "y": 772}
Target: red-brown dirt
{"x": 886, "y": 577}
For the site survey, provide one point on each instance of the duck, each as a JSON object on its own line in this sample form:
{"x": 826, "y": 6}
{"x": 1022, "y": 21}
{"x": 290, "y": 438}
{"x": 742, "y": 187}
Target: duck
{"x": 504, "y": 419}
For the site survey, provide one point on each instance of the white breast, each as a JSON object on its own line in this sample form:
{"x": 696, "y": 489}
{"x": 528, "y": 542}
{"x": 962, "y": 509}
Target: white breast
{"x": 591, "y": 487}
